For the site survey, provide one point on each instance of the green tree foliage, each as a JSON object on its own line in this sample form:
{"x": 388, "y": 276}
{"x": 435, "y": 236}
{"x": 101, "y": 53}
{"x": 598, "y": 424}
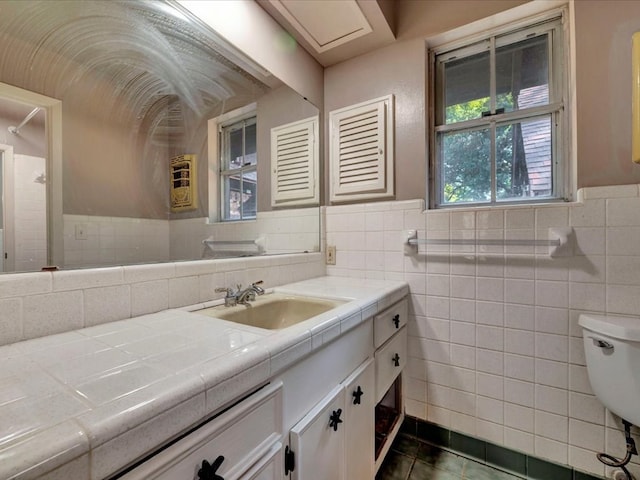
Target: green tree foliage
{"x": 466, "y": 159}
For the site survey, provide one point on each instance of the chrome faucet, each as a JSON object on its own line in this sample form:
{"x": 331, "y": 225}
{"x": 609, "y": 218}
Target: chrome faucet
{"x": 241, "y": 297}
{"x": 249, "y": 294}
{"x": 230, "y": 297}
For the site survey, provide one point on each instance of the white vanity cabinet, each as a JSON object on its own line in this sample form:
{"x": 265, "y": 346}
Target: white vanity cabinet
{"x": 334, "y": 441}
{"x": 390, "y": 340}
{"x": 243, "y": 443}
{"x": 314, "y": 420}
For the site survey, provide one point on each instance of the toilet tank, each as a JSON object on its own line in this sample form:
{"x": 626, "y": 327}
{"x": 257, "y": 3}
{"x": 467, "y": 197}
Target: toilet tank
{"x": 612, "y": 352}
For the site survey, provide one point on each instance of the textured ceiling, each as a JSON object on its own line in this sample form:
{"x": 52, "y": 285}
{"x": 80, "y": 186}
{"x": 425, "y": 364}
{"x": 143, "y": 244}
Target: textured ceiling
{"x": 139, "y": 54}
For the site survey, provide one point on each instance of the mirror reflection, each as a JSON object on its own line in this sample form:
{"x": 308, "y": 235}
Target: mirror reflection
{"x": 130, "y": 134}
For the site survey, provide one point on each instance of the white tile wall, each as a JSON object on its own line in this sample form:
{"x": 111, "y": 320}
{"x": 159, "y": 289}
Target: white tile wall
{"x": 279, "y": 231}
{"x": 30, "y": 214}
{"x": 44, "y": 303}
{"x": 114, "y": 241}
{"x": 495, "y": 349}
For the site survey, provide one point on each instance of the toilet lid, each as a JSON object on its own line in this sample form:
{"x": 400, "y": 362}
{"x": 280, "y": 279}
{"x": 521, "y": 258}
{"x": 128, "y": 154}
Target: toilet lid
{"x": 625, "y": 328}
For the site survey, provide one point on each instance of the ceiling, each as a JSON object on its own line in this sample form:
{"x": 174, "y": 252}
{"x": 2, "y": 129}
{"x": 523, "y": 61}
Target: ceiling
{"x": 335, "y": 30}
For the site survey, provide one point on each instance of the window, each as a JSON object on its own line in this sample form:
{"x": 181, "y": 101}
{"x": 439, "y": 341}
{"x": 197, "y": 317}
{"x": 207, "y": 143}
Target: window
{"x": 498, "y": 118}
{"x": 238, "y": 174}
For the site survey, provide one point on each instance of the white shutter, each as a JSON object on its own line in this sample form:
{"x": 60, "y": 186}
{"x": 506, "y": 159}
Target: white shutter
{"x": 294, "y": 163}
{"x": 361, "y": 151}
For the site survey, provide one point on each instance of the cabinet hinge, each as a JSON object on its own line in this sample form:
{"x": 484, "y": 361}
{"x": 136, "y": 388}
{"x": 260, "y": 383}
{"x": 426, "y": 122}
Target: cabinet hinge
{"x": 289, "y": 460}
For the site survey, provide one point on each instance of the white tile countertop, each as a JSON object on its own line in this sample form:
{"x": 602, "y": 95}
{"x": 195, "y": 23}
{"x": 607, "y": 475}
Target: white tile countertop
{"x": 86, "y": 403}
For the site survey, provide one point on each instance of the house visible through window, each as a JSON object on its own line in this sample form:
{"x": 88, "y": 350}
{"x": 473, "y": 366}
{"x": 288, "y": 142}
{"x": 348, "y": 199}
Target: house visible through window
{"x": 238, "y": 176}
{"x": 498, "y": 118}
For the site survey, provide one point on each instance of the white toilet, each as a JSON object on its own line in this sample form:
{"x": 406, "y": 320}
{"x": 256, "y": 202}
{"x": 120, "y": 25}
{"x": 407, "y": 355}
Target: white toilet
{"x": 612, "y": 349}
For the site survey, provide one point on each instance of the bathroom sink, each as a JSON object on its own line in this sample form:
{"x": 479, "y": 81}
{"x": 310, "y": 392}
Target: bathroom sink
{"x": 273, "y": 311}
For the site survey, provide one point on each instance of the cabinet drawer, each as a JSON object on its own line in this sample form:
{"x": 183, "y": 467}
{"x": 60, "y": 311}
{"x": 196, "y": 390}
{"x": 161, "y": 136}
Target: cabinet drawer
{"x": 388, "y": 322}
{"x": 243, "y": 435}
{"x": 390, "y": 360}
{"x": 269, "y": 468}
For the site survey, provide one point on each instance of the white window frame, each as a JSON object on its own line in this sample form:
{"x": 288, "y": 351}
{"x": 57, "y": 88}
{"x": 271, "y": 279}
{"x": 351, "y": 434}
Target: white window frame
{"x": 468, "y": 40}
{"x": 217, "y": 148}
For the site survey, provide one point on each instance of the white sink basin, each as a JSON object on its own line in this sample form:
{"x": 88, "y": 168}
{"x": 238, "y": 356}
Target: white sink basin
{"x": 273, "y": 311}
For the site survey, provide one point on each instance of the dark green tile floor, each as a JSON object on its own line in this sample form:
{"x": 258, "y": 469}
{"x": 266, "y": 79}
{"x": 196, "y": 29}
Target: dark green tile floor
{"x": 412, "y": 459}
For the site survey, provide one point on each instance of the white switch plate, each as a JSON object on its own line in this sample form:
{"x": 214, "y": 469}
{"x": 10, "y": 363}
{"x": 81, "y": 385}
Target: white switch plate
{"x": 81, "y": 231}
{"x": 331, "y": 255}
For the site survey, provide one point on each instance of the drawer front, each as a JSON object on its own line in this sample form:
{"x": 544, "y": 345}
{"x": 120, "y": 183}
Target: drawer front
{"x": 390, "y": 360}
{"x": 388, "y": 322}
{"x": 242, "y": 435}
{"x": 269, "y": 468}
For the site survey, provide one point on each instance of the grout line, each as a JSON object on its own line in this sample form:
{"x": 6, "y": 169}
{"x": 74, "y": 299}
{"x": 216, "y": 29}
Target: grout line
{"x": 413, "y": 463}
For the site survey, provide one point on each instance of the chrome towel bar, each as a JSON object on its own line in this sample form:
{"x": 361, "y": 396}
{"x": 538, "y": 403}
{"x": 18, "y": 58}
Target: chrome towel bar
{"x": 558, "y": 242}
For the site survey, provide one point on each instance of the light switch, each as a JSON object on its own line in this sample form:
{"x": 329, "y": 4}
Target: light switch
{"x": 81, "y": 231}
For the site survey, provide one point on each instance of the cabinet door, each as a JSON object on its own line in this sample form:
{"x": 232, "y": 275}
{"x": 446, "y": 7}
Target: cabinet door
{"x": 359, "y": 422}
{"x": 318, "y": 440}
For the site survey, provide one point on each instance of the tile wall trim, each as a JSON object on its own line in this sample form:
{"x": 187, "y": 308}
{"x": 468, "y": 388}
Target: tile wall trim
{"x": 496, "y": 456}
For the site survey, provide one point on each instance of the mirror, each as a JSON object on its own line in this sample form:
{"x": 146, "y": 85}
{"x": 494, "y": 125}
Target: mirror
{"x": 121, "y": 89}
{"x": 635, "y": 97}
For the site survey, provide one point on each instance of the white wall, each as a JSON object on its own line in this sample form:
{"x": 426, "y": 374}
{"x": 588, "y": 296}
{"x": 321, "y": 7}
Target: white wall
{"x": 495, "y": 348}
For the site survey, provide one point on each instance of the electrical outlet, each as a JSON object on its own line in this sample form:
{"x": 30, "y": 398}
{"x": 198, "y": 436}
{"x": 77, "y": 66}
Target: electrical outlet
{"x": 331, "y": 255}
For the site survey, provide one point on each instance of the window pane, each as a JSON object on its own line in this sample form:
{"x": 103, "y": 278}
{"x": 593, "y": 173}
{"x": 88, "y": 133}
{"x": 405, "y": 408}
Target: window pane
{"x": 523, "y": 159}
{"x": 231, "y": 198}
{"x": 466, "y": 83}
{"x": 236, "y": 160}
{"x": 522, "y": 74}
{"x": 250, "y": 157}
{"x": 466, "y": 166}
{"x": 249, "y": 199}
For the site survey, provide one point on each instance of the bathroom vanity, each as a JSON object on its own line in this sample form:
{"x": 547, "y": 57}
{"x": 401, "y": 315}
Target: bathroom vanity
{"x": 202, "y": 397}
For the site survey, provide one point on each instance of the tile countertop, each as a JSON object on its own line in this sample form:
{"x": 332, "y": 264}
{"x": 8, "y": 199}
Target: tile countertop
{"x": 119, "y": 389}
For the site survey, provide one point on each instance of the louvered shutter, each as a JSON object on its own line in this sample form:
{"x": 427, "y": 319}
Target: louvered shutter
{"x": 294, "y": 163}
{"x": 361, "y": 151}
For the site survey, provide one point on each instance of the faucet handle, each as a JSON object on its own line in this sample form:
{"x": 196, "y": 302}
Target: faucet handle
{"x": 226, "y": 290}
{"x": 259, "y": 282}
